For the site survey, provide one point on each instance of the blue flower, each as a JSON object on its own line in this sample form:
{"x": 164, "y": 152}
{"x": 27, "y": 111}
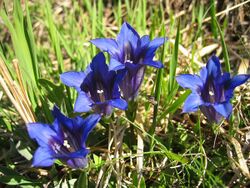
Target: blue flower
{"x": 64, "y": 140}
{"x": 129, "y": 54}
{"x": 211, "y": 91}
{"x": 98, "y": 87}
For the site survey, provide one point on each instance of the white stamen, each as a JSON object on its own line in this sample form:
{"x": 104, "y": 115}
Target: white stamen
{"x": 129, "y": 61}
{"x": 66, "y": 144}
{"x": 211, "y": 93}
{"x": 100, "y": 91}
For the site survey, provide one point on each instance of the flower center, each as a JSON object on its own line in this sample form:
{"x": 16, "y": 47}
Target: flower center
{"x": 211, "y": 93}
{"x": 66, "y": 144}
{"x": 129, "y": 61}
{"x": 100, "y": 92}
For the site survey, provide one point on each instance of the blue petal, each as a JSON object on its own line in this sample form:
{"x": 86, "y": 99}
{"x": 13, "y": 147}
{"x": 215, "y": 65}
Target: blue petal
{"x": 89, "y": 123}
{"x": 156, "y": 64}
{"x": 190, "y": 81}
{"x": 77, "y": 154}
{"x": 132, "y": 81}
{"x": 56, "y": 125}
{"x": 83, "y": 103}
{"x": 99, "y": 67}
{"x": 127, "y": 36}
{"x": 192, "y": 103}
{"x": 233, "y": 83}
{"x": 102, "y": 108}
{"x": 214, "y": 67}
{"x": 145, "y": 40}
{"x": 153, "y": 45}
{"x": 78, "y": 122}
{"x": 225, "y": 109}
{"x": 73, "y": 79}
{"x": 42, "y": 133}
{"x": 119, "y": 103}
{"x": 223, "y": 79}
{"x": 238, "y": 80}
{"x": 62, "y": 118}
{"x": 107, "y": 45}
{"x": 211, "y": 114}
{"x": 203, "y": 74}
{"x": 78, "y": 161}
{"x": 115, "y": 65}
{"x": 157, "y": 42}
{"x": 43, "y": 157}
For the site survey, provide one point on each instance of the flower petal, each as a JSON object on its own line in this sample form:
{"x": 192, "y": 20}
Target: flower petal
{"x": 214, "y": 67}
{"x": 42, "y": 133}
{"x": 89, "y": 123}
{"x": 145, "y": 40}
{"x": 225, "y": 109}
{"x": 62, "y": 118}
{"x": 78, "y": 161}
{"x": 132, "y": 81}
{"x": 71, "y": 155}
{"x": 73, "y": 79}
{"x": 127, "y": 36}
{"x": 238, "y": 80}
{"x": 190, "y": 81}
{"x": 153, "y": 45}
{"x": 107, "y": 45}
{"x": 115, "y": 65}
{"x": 43, "y": 157}
{"x": 203, "y": 74}
{"x": 157, "y": 42}
{"x": 211, "y": 114}
{"x": 192, "y": 103}
{"x": 223, "y": 79}
{"x": 83, "y": 103}
{"x": 156, "y": 64}
{"x": 119, "y": 103}
{"x": 99, "y": 67}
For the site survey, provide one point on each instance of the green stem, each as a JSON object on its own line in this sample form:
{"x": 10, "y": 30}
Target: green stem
{"x": 131, "y": 115}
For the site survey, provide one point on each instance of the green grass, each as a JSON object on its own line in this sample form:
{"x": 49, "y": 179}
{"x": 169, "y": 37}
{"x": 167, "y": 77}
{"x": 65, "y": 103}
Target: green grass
{"x": 180, "y": 150}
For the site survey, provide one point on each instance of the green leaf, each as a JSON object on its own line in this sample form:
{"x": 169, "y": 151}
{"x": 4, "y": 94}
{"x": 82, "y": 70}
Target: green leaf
{"x": 24, "y": 150}
{"x": 176, "y": 104}
{"x": 54, "y": 92}
{"x": 82, "y": 181}
{"x": 213, "y": 20}
{"x": 10, "y": 177}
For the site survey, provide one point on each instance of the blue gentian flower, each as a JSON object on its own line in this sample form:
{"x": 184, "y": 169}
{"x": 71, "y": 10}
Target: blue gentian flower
{"x": 98, "y": 87}
{"x": 129, "y": 54}
{"x": 64, "y": 140}
{"x": 211, "y": 91}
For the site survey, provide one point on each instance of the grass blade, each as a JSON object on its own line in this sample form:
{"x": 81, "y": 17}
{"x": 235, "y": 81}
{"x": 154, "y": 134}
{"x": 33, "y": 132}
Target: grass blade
{"x": 213, "y": 20}
{"x": 174, "y": 59}
{"x": 224, "y": 48}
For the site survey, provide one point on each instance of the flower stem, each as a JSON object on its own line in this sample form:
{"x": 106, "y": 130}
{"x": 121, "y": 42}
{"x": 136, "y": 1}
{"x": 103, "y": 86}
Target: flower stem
{"x": 131, "y": 115}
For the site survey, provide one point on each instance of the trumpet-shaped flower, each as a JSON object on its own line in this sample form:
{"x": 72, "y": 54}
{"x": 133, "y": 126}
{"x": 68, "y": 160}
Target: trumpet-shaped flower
{"x": 129, "y": 54}
{"x": 97, "y": 87}
{"x": 211, "y": 91}
{"x": 64, "y": 140}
